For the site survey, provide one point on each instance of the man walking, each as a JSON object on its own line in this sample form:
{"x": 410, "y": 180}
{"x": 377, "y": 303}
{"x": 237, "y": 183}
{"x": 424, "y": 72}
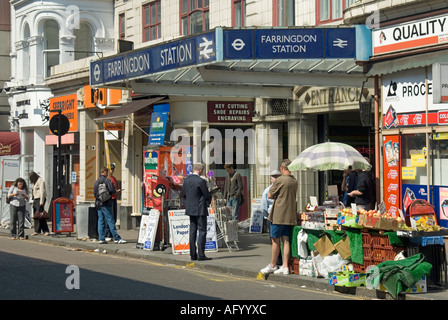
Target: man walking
{"x": 198, "y": 198}
{"x": 282, "y": 217}
{"x": 104, "y": 207}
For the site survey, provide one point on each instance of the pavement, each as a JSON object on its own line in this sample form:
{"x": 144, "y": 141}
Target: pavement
{"x": 253, "y": 254}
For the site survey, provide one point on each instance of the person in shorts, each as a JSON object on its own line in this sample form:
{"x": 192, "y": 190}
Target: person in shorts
{"x": 282, "y": 216}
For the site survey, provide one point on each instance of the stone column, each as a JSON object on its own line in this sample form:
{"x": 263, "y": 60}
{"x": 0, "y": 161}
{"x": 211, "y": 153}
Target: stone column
{"x": 303, "y": 134}
{"x": 36, "y": 46}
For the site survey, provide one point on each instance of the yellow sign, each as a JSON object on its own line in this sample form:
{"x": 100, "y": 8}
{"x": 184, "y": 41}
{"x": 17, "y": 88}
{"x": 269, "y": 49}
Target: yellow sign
{"x": 440, "y": 136}
{"x": 418, "y": 160}
{"x": 408, "y": 173}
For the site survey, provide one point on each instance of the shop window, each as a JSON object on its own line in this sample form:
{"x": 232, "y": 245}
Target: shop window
{"x": 439, "y": 152}
{"x": 152, "y": 29}
{"x": 83, "y": 42}
{"x": 331, "y": 10}
{"x": 194, "y": 16}
{"x": 283, "y": 13}
{"x": 51, "y": 46}
{"x": 413, "y": 146}
{"x": 238, "y": 13}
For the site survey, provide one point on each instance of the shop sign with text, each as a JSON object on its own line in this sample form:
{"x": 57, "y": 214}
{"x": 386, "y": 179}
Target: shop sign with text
{"x": 230, "y": 112}
{"x": 411, "y": 35}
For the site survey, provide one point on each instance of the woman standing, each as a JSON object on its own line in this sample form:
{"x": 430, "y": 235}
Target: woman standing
{"x": 39, "y": 198}
{"x": 18, "y": 195}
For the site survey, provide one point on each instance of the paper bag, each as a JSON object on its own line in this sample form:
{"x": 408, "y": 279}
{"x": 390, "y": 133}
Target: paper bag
{"x": 324, "y": 246}
{"x": 343, "y": 248}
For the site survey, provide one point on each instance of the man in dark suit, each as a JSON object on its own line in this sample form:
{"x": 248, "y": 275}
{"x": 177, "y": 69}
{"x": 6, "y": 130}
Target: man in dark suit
{"x": 198, "y": 198}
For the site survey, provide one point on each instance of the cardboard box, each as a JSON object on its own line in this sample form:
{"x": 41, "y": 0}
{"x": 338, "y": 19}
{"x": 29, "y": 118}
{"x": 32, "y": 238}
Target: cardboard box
{"x": 419, "y": 287}
{"x": 349, "y": 221}
{"x": 347, "y": 279}
{"x": 378, "y": 223}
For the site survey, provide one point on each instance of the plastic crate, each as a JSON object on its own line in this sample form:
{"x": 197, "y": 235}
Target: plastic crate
{"x": 380, "y": 241}
{"x": 362, "y": 268}
{"x": 367, "y": 239}
{"x": 426, "y": 241}
{"x": 294, "y": 265}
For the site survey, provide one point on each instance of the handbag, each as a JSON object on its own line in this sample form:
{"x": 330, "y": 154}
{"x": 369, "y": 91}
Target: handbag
{"x": 41, "y": 215}
{"x": 8, "y": 200}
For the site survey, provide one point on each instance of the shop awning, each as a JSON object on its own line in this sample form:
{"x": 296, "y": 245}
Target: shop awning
{"x": 9, "y": 143}
{"x": 400, "y": 64}
{"x": 123, "y": 112}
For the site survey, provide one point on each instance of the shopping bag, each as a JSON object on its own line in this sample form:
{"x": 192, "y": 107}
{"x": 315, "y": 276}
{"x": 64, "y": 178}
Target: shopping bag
{"x": 324, "y": 246}
{"x": 343, "y": 248}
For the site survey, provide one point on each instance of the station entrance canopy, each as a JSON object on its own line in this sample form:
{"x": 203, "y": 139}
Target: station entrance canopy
{"x": 252, "y": 62}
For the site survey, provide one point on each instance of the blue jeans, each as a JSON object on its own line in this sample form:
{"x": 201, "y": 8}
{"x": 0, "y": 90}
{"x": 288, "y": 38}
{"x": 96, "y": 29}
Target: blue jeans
{"x": 105, "y": 216}
{"x": 235, "y": 204}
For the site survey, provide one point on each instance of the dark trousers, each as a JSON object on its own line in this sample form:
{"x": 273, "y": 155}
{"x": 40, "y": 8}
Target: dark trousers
{"x": 39, "y": 225}
{"x": 198, "y": 223}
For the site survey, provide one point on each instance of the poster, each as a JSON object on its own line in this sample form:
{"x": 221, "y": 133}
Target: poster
{"x": 256, "y": 218}
{"x": 62, "y": 215}
{"x": 148, "y": 230}
{"x": 443, "y": 203}
{"x": 180, "y": 232}
{"x": 391, "y": 164}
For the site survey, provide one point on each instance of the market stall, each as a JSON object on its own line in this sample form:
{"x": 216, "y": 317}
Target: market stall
{"x": 370, "y": 248}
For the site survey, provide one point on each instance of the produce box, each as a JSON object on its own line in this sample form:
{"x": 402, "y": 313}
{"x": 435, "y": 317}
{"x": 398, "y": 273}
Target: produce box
{"x": 378, "y": 223}
{"x": 347, "y": 279}
{"x": 419, "y": 287}
{"x": 349, "y": 221}
{"x": 306, "y": 267}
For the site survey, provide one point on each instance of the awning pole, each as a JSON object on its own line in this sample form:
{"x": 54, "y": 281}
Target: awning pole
{"x": 377, "y": 142}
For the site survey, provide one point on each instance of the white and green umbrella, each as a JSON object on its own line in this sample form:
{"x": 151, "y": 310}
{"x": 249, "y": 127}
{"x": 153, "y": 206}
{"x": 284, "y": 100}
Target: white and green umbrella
{"x": 329, "y": 156}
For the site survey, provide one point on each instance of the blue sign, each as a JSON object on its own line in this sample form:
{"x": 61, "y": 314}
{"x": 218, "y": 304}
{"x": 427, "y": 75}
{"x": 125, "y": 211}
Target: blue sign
{"x": 158, "y": 128}
{"x": 340, "y": 43}
{"x": 231, "y": 44}
{"x": 290, "y": 44}
{"x": 168, "y": 56}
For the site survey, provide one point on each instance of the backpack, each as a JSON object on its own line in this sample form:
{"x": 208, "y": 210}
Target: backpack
{"x": 103, "y": 192}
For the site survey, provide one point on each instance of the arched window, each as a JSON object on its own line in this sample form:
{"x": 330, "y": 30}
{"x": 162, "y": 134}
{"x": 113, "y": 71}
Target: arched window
{"x": 194, "y": 16}
{"x": 51, "y": 46}
{"x": 83, "y": 42}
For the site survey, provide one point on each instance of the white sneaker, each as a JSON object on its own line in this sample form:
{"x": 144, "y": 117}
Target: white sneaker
{"x": 108, "y": 239}
{"x": 121, "y": 241}
{"x": 268, "y": 269}
{"x": 282, "y": 270}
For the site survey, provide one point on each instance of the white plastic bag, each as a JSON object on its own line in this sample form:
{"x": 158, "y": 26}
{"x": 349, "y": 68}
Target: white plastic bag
{"x": 302, "y": 247}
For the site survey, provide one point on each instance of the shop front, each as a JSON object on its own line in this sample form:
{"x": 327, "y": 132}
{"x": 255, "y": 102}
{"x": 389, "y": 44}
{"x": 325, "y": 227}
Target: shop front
{"x": 233, "y": 94}
{"x": 408, "y": 58}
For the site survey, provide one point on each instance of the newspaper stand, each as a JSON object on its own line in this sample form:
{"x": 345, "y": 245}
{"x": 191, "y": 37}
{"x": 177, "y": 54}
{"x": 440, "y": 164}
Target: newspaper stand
{"x": 62, "y": 216}
{"x": 227, "y": 227}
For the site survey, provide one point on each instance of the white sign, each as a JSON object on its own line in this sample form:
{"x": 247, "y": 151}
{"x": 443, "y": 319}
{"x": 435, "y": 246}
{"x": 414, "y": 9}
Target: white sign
{"x": 406, "y": 91}
{"x": 411, "y": 35}
{"x": 256, "y": 217}
{"x": 148, "y": 229}
{"x": 180, "y": 232}
{"x": 440, "y": 74}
